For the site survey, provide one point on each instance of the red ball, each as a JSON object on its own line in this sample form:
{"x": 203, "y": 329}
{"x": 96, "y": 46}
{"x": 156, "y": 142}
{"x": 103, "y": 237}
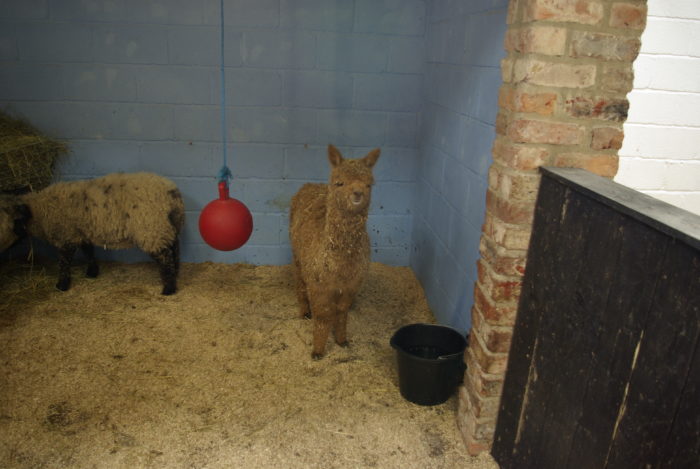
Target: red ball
{"x": 225, "y": 223}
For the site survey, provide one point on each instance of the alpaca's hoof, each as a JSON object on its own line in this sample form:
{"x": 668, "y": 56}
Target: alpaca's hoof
{"x": 169, "y": 290}
{"x": 306, "y": 315}
{"x": 344, "y": 344}
{"x": 63, "y": 284}
{"x": 92, "y": 271}
{"x": 316, "y": 356}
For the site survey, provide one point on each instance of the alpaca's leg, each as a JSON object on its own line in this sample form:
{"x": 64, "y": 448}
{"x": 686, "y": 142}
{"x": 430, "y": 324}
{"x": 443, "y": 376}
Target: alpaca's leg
{"x": 92, "y": 268}
{"x": 341, "y": 321}
{"x": 65, "y": 258}
{"x": 304, "y": 311}
{"x": 322, "y": 329}
{"x": 322, "y": 309}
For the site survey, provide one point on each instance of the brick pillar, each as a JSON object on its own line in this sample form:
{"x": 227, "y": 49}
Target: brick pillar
{"x": 562, "y": 103}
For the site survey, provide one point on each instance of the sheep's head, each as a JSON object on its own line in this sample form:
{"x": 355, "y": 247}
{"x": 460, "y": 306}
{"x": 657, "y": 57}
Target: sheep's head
{"x": 351, "y": 180}
{"x": 13, "y": 222}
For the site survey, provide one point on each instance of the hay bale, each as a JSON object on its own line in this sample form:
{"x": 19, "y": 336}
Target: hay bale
{"x": 27, "y": 157}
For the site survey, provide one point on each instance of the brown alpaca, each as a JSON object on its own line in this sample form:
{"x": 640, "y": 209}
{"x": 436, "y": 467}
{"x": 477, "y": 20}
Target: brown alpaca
{"x": 330, "y": 245}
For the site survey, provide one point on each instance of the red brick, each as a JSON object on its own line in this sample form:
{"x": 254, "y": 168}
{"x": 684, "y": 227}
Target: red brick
{"x": 507, "y": 70}
{"x": 484, "y": 385}
{"x": 539, "y": 103}
{"x": 522, "y": 101}
{"x": 626, "y": 15}
{"x": 513, "y": 185}
{"x": 515, "y": 212}
{"x": 508, "y": 236}
{"x": 604, "y": 108}
{"x": 506, "y": 97}
{"x": 604, "y": 46}
{"x": 523, "y": 157}
{"x": 539, "y": 131}
{"x": 513, "y": 12}
{"x": 491, "y": 363}
{"x": 506, "y": 262}
{"x": 617, "y": 78}
{"x": 605, "y": 165}
{"x": 502, "y": 314}
{"x": 545, "y": 73}
{"x": 497, "y": 339}
{"x": 607, "y": 138}
{"x": 469, "y": 402}
{"x": 546, "y": 40}
{"x": 497, "y": 287}
{"x": 572, "y": 11}
{"x": 502, "y": 121}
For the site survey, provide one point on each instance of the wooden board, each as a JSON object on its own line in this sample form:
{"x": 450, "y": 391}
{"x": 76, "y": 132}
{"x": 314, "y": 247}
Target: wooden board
{"x": 603, "y": 367}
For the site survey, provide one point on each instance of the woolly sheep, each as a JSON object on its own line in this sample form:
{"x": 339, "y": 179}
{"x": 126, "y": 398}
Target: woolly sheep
{"x": 330, "y": 245}
{"x": 116, "y": 211}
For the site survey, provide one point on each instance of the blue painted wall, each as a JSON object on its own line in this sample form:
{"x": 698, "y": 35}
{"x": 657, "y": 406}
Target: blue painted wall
{"x": 134, "y": 85}
{"x": 462, "y": 77}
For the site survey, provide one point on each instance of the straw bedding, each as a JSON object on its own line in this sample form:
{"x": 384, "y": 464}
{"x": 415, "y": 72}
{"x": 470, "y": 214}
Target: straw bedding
{"x": 111, "y": 374}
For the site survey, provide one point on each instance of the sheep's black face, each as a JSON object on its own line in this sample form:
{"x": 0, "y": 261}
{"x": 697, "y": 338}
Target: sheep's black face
{"x": 13, "y": 220}
{"x": 351, "y": 186}
{"x": 8, "y": 235}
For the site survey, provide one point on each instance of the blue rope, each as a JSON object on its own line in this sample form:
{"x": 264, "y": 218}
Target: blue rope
{"x": 224, "y": 173}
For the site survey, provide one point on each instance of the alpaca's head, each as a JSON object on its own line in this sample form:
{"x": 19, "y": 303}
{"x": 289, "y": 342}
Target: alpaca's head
{"x": 351, "y": 180}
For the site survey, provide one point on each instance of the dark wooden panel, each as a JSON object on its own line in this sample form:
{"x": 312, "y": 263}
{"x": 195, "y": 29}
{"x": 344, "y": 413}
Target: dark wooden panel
{"x": 548, "y": 213}
{"x": 682, "y": 449}
{"x": 604, "y": 370}
{"x": 662, "y": 367}
{"x": 617, "y": 331}
{"x": 581, "y": 284}
{"x": 666, "y": 218}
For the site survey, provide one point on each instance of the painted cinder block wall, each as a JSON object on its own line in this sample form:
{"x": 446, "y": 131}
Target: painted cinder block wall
{"x": 660, "y": 155}
{"x": 134, "y": 85}
{"x": 462, "y": 76}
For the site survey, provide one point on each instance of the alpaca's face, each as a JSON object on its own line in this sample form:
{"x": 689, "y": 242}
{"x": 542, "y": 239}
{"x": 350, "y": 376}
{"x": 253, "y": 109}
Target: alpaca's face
{"x": 351, "y": 186}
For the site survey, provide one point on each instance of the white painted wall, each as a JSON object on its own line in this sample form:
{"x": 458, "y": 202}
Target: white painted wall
{"x": 660, "y": 155}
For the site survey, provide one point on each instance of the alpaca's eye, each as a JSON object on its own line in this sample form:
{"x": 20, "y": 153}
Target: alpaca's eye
{"x": 338, "y": 183}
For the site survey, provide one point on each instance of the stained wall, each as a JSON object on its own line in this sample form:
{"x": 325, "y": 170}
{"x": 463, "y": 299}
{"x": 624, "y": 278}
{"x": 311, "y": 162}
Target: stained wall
{"x": 462, "y": 76}
{"x": 134, "y": 85}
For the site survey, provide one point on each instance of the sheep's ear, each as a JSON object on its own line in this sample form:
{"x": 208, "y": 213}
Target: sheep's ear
{"x": 371, "y": 158}
{"x": 334, "y": 156}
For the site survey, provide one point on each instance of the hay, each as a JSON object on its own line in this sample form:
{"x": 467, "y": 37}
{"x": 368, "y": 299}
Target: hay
{"x": 27, "y": 157}
{"x": 111, "y": 374}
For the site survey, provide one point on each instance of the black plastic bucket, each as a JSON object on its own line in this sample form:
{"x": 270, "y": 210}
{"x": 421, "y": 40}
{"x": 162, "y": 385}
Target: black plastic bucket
{"x": 430, "y": 360}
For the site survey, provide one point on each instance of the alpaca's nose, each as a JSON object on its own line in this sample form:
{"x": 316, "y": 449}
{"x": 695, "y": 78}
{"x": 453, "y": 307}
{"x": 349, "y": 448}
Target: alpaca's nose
{"x": 357, "y": 196}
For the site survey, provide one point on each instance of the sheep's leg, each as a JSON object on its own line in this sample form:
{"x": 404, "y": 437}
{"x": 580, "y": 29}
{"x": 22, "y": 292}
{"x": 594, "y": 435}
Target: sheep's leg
{"x": 65, "y": 258}
{"x": 176, "y": 255}
{"x": 92, "y": 268}
{"x": 167, "y": 260}
{"x": 304, "y": 310}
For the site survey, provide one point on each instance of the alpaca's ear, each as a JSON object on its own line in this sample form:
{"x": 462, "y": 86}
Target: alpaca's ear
{"x": 371, "y": 158}
{"x": 334, "y": 156}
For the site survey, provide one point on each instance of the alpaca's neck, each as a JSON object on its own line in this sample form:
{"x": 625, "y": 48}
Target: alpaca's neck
{"x": 345, "y": 231}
